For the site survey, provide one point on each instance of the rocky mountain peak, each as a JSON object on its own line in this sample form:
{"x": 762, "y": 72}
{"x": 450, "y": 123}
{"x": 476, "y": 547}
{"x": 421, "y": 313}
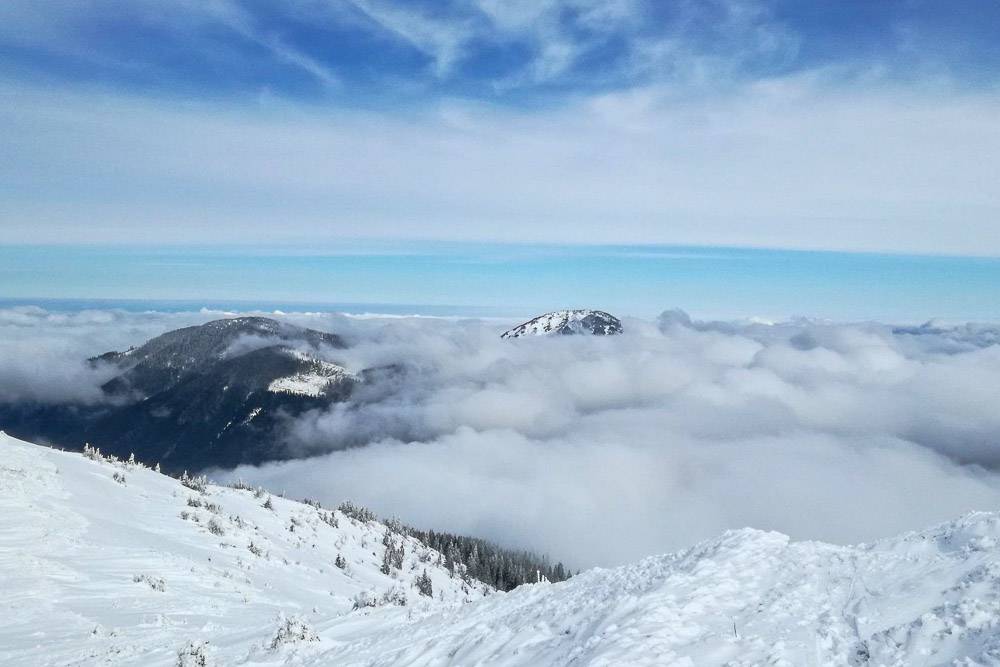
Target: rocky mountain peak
{"x": 568, "y": 322}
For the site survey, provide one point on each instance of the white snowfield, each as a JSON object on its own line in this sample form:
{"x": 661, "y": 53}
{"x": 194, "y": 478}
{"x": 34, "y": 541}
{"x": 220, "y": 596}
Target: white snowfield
{"x": 96, "y": 572}
{"x": 314, "y": 383}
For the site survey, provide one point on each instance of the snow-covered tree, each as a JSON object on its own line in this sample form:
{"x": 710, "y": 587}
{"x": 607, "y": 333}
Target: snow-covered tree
{"x": 424, "y": 585}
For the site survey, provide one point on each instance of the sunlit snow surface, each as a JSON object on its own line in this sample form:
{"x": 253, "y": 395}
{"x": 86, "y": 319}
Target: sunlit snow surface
{"x": 82, "y": 557}
{"x": 74, "y": 542}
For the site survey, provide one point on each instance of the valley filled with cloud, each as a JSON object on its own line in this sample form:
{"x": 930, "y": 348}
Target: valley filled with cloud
{"x": 599, "y": 450}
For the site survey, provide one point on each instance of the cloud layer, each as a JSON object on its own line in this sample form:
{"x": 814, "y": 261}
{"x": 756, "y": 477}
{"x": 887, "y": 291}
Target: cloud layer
{"x": 775, "y": 164}
{"x": 601, "y": 450}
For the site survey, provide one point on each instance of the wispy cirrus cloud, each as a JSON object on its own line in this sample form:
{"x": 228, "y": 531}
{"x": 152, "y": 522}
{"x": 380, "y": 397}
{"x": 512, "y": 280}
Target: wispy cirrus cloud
{"x": 483, "y": 49}
{"x": 777, "y": 163}
{"x": 740, "y": 122}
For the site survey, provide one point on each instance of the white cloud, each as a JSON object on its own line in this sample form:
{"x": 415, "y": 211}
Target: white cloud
{"x": 60, "y": 29}
{"x": 445, "y": 41}
{"x": 793, "y": 163}
{"x": 603, "y": 450}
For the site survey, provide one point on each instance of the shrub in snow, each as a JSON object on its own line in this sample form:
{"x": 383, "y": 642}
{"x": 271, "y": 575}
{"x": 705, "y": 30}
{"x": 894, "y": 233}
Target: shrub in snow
{"x": 258, "y": 493}
{"x": 357, "y": 512}
{"x": 120, "y": 478}
{"x": 395, "y": 595}
{"x": 292, "y": 631}
{"x": 215, "y": 528}
{"x": 92, "y": 453}
{"x": 199, "y": 483}
{"x": 240, "y": 485}
{"x": 193, "y": 502}
{"x": 255, "y": 550}
{"x": 213, "y": 508}
{"x": 340, "y": 562}
{"x": 192, "y": 655}
{"x": 330, "y": 519}
{"x": 386, "y": 568}
{"x": 267, "y": 504}
{"x": 393, "y": 555}
{"x": 365, "y": 599}
{"x": 156, "y": 583}
{"x": 424, "y": 586}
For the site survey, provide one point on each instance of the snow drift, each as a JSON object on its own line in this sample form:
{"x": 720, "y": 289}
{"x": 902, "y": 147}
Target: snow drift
{"x": 112, "y": 563}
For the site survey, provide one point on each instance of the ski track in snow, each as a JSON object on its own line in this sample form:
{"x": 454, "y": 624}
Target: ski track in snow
{"x": 73, "y": 541}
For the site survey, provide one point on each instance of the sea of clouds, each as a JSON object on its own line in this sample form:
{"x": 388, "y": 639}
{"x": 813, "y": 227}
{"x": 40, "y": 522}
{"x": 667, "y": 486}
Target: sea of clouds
{"x": 601, "y": 450}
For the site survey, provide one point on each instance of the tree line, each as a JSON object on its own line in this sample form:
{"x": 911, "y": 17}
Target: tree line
{"x": 502, "y": 568}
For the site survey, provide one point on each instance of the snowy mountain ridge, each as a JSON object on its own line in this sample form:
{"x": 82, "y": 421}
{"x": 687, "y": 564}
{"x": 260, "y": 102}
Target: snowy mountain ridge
{"x": 215, "y": 577}
{"x": 568, "y": 322}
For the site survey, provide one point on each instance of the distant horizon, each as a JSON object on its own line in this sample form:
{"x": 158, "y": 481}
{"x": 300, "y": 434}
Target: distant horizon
{"x": 360, "y": 245}
{"x": 513, "y": 280}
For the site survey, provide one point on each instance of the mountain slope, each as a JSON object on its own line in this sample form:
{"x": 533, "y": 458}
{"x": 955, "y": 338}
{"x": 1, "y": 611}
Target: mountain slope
{"x": 746, "y": 598}
{"x": 97, "y": 571}
{"x": 232, "y": 413}
{"x": 568, "y": 322}
{"x": 170, "y": 357}
{"x": 86, "y": 583}
{"x": 213, "y": 395}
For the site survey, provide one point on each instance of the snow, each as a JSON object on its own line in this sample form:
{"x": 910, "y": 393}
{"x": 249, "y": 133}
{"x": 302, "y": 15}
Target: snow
{"x": 312, "y": 383}
{"x": 746, "y": 598}
{"x": 82, "y": 579}
{"x": 304, "y": 384}
{"x": 82, "y": 557}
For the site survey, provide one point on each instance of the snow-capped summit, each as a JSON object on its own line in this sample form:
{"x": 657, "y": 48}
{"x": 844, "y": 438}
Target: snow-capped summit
{"x": 593, "y": 322}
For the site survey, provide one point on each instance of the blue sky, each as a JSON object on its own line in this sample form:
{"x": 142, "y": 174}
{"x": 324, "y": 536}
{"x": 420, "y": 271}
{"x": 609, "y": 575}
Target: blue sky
{"x": 511, "y": 281}
{"x": 833, "y": 125}
{"x": 380, "y": 53}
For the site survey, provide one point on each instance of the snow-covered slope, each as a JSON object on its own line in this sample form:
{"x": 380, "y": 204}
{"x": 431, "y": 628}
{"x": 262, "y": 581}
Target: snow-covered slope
{"x": 94, "y": 571}
{"x": 594, "y": 322}
{"x": 111, "y": 563}
{"x": 746, "y": 598}
{"x": 313, "y": 380}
